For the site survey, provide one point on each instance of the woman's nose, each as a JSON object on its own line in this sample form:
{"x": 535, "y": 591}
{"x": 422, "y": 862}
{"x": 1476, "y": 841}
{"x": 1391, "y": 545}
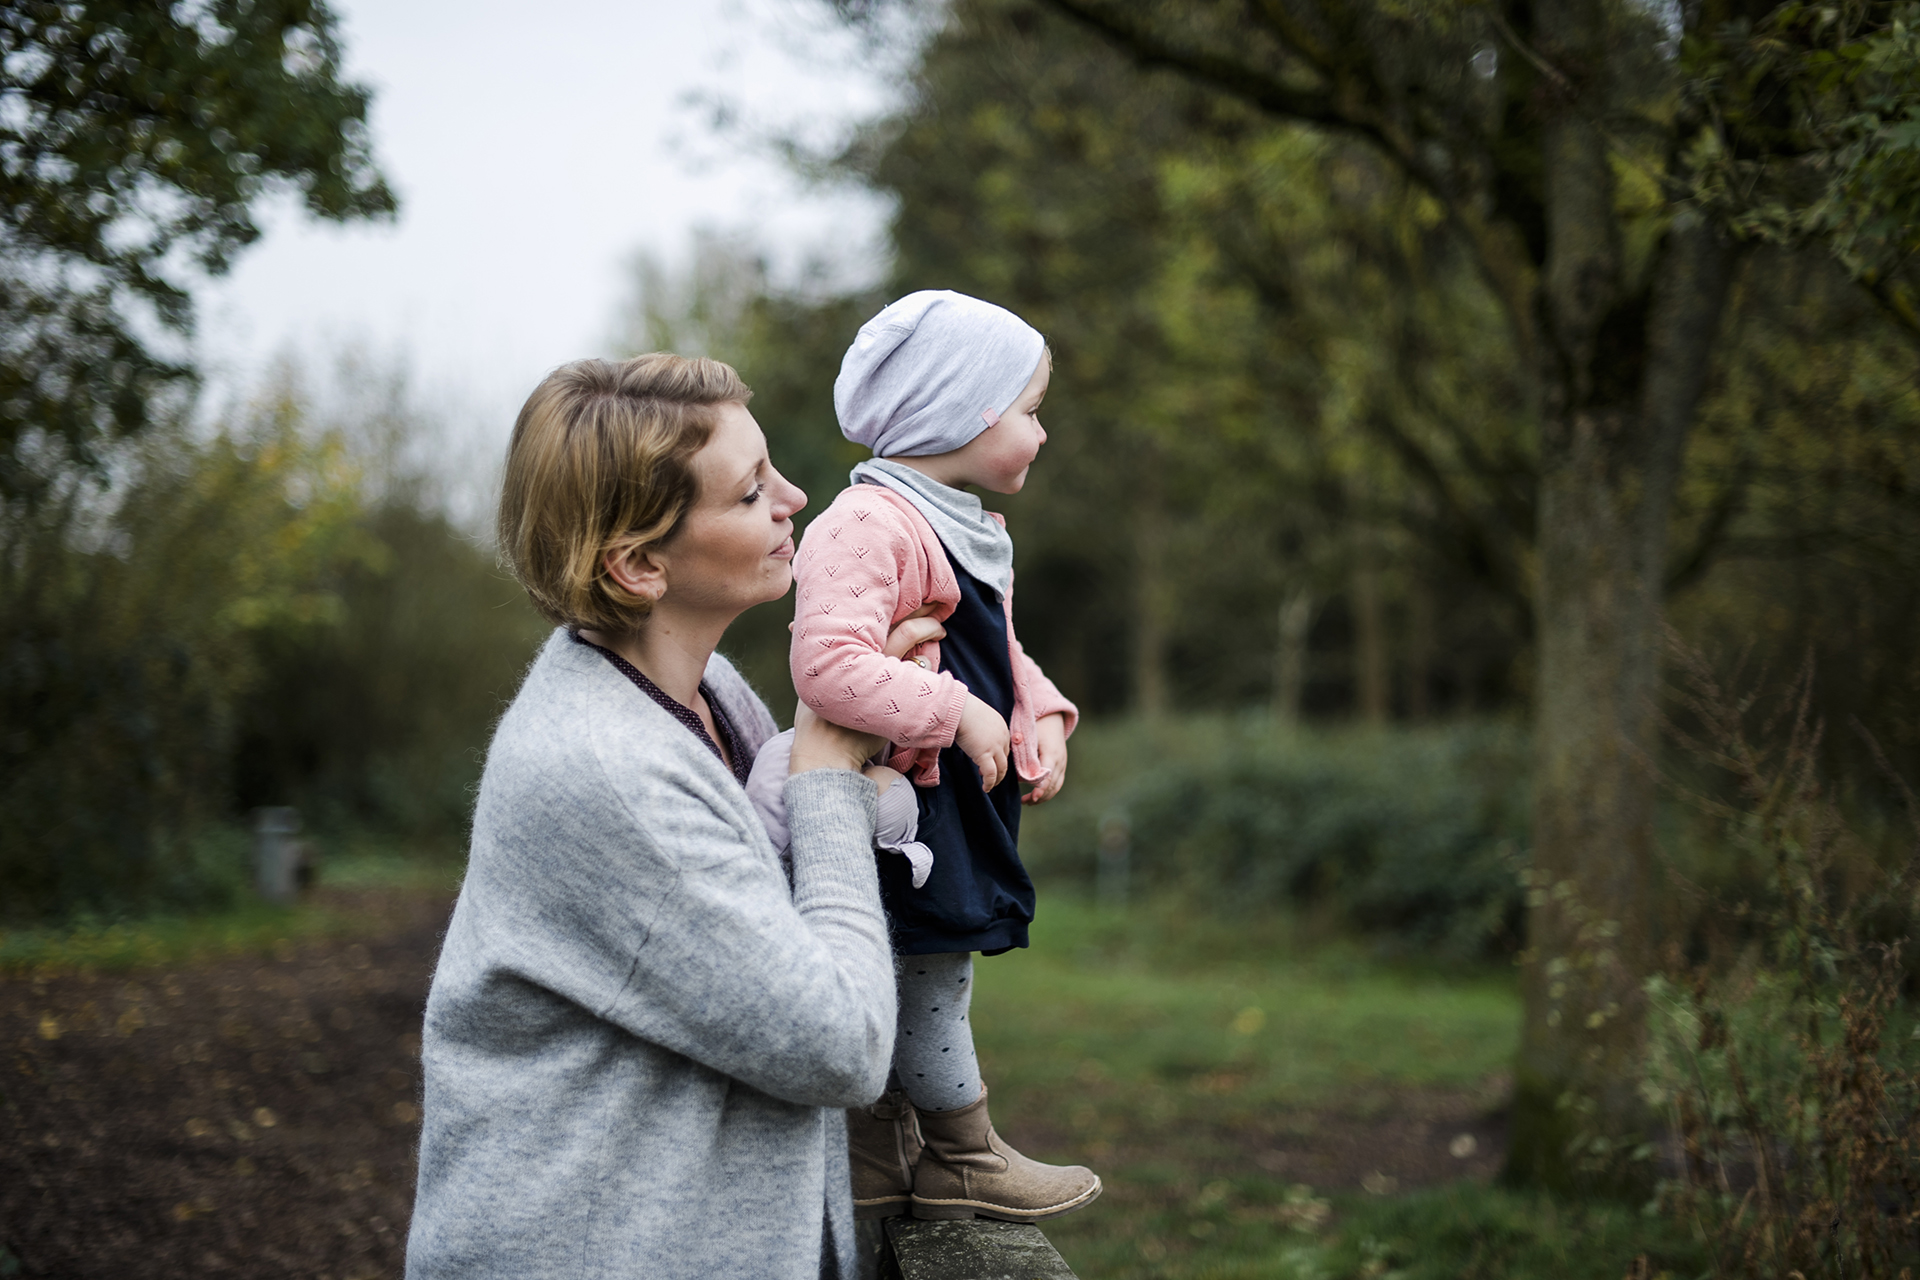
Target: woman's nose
{"x": 791, "y": 498}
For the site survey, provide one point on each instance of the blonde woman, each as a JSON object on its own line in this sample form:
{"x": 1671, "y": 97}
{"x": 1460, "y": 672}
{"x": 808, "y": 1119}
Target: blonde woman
{"x": 640, "y": 1037}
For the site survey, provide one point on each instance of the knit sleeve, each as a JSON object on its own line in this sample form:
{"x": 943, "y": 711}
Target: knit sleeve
{"x": 1047, "y": 700}
{"x": 859, "y": 574}
{"x": 791, "y": 994}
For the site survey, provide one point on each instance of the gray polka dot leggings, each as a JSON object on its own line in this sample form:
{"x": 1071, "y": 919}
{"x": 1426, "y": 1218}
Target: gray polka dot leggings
{"x": 933, "y": 1049}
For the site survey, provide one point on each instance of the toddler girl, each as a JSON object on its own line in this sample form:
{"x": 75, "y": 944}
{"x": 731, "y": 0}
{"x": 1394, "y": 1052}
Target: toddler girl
{"x": 945, "y": 389}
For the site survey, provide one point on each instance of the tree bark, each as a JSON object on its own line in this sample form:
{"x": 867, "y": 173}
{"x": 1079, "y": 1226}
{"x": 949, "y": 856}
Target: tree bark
{"x": 1607, "y": 478}
{"x": 1153, "y": 603}
{"x": 1419, "y": 652}
{"x": 1369, "y": 642}
{"x": 1290, "y": 655}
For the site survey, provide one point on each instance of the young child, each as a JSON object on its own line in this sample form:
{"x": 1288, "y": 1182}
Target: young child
{"x": 945, "y": 389}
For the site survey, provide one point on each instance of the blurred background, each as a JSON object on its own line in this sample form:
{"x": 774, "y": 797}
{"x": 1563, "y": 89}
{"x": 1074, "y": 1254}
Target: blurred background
{"x": 260, "y": 356}
{"x": 1289, "y": 489}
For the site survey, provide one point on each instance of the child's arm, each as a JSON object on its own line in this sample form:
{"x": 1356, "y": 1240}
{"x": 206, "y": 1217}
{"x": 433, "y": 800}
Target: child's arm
{"x": 854, "y": 571}
{"x": 1054, "y": 720}
{"x": 1047, "y": 700}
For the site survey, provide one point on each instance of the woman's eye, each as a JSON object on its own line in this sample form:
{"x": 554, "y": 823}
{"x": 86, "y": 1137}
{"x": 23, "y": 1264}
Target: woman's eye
{"x": 754, "y": 494}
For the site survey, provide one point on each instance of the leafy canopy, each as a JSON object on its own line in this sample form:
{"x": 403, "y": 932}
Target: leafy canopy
{"x": 135, "y": 140}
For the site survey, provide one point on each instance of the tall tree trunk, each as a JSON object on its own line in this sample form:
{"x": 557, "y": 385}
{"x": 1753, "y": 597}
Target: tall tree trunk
{"x": 1369, "y": 641}
{"x": 1607, "y": 479}
{"x": 1290, "y": 655}
{"x": 1154, "y": 602}
{"x": 1419, "y": 649}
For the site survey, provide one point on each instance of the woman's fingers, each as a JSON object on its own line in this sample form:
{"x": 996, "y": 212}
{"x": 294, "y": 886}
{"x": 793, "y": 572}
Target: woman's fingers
{"x": 821, "y": 744}
{"x": 913, "y": 631}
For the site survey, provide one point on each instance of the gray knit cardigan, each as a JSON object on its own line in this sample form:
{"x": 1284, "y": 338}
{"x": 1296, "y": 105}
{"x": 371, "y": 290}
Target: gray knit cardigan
{"x": 639, "y": 1038}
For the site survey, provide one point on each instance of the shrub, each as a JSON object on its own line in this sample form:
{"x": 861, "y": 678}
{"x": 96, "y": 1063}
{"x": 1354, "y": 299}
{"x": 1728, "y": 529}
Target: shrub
{"x": 1414, "y": 836}
{"x": 1783, "y": 1057}
{"x": 126, "y": 625}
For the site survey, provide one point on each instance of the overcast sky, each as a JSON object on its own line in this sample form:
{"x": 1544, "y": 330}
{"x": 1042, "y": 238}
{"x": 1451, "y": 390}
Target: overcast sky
{"x": 535, "y": 148}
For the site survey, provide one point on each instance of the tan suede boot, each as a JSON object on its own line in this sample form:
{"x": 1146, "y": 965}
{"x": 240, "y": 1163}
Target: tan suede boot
{"x": 883, "y": 1145}
{"x": 967, "y": 1171}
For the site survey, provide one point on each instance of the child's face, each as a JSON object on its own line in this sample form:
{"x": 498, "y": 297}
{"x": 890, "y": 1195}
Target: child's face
{"x": 997, "y": 459}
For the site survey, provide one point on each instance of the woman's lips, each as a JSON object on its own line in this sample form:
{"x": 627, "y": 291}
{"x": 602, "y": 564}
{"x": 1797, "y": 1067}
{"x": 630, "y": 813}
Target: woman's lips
{"x": 784, "y": 551}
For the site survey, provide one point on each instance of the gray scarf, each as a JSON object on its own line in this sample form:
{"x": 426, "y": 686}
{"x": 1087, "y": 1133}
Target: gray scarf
{"x": 973, "y": 538}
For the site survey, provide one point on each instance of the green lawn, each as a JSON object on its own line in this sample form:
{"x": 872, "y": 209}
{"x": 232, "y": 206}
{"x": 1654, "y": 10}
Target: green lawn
{"x": 249, "y": 926}
{"x": 1168, "y": 1052}
{"x": 1173, "y": 1053}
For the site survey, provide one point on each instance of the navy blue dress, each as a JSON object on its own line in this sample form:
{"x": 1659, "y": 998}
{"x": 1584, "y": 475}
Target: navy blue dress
{"x": 978, "y": 897}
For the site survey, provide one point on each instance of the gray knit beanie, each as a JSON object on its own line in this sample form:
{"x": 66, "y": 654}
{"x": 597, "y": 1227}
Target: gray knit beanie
{"x": 931, "y": 372}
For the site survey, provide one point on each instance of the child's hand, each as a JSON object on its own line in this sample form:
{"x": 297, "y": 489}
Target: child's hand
{"x": 984, "y": 737}
{"x": 1050, "y": 741}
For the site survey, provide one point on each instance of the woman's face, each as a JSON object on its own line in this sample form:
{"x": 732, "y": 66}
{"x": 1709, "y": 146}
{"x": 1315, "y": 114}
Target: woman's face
{"x": 735, "y": 548}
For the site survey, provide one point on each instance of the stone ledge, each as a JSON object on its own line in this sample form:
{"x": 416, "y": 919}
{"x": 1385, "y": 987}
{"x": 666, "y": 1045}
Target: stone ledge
{"x": 978, "y": 1249}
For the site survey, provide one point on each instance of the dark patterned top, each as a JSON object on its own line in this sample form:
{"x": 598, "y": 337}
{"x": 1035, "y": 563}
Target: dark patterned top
{"x": 734, "y": 757}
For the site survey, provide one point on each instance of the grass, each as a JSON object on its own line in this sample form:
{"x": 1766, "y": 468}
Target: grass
{"x": 1168, "y": 1051}
{"x": 249, "y": 926}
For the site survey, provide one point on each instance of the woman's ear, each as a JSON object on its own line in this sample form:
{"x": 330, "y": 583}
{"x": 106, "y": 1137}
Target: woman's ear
{"x": 636, "y": 571}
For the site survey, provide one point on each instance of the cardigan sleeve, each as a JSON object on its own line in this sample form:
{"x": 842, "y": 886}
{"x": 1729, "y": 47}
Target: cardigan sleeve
{"x": 1047, "y": 700}
{"x": 859, "y": 573}
{"x": 791, "y": 995}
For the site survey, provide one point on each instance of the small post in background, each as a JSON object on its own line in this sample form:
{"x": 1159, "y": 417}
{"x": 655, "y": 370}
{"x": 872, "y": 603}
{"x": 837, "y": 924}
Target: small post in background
{"x": 1112, "y": 870}
{"x": 279, "y": 854}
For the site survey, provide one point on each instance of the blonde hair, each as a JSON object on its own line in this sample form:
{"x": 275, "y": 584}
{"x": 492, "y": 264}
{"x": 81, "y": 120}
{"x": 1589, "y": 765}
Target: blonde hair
{"x": 601, "y": 460}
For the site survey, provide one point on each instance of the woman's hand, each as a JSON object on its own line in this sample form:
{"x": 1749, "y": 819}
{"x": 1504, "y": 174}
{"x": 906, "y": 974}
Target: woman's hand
{"x": 1050, "y": 741}
{"x": 913, "y": 631}
{"x": 821, "y": 744}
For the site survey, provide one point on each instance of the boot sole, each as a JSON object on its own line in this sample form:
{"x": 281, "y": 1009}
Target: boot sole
{"x": 957, "y": 1210}
{"x": 875, "y": 1210}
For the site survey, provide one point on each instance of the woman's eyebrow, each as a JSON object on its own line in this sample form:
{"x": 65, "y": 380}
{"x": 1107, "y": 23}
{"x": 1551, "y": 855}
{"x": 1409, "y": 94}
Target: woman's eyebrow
{"x": 754, "y": 471}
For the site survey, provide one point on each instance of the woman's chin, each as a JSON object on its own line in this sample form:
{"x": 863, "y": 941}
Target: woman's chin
{"x": 779, "y": 581}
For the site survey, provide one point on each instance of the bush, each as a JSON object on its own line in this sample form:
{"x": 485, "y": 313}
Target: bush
{"x": 379, "y": 722}
{"x": 1414, "y": 836}
{"x": 1783, "y": 1058}
{"x": 127, "y": 619}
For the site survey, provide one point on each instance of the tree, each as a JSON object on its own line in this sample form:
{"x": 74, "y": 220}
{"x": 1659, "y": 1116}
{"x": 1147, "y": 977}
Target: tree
{"x": 1604, "y": 164}
{"x": 135, "y": 140}
{"x": 1226, "y": 417}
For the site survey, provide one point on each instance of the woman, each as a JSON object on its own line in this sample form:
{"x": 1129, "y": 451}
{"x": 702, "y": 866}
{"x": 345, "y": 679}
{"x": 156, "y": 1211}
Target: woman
{"x": 640, "y": 1036}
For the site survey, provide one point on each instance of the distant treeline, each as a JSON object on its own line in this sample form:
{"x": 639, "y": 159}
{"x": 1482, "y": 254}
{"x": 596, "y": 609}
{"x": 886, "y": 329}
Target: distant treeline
{"x": 1292, "y": 468}
{"x": 272, "y": 612}
{"x": 1292, "y": 456}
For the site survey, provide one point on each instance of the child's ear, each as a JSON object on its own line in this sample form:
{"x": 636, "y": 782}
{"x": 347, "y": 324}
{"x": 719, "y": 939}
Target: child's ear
{"x": 636, "y": 571}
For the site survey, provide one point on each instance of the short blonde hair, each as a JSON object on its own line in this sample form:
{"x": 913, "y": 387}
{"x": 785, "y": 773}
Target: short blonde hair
{"x": 601, "y": 460}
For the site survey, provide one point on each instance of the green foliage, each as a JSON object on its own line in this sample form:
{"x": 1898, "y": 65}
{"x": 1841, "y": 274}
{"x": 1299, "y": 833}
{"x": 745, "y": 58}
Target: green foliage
{"x": 1796, "y": 527}
{"x": 1170, "y": 1050}
{"x": 1784, "y": 1058}
{"x": 1486, "y": 1233}
{"x": 246, "y": 926}
{"x": 1414, "y": 838}
{"x": 136, "y": 136}
{"x": 127, "y": 620}
{"x": 271, "y": 613}
{"x": 380, "y": 721}
{"x": 1811, "y": 134}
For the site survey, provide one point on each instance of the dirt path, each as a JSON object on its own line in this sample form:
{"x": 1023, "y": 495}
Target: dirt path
{"x": 258, "y": 1116}
{"x": 252, "y": 1117}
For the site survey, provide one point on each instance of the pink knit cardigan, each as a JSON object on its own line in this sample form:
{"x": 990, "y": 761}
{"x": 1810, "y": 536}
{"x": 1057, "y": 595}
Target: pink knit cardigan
{"x": 866, "y": 562}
